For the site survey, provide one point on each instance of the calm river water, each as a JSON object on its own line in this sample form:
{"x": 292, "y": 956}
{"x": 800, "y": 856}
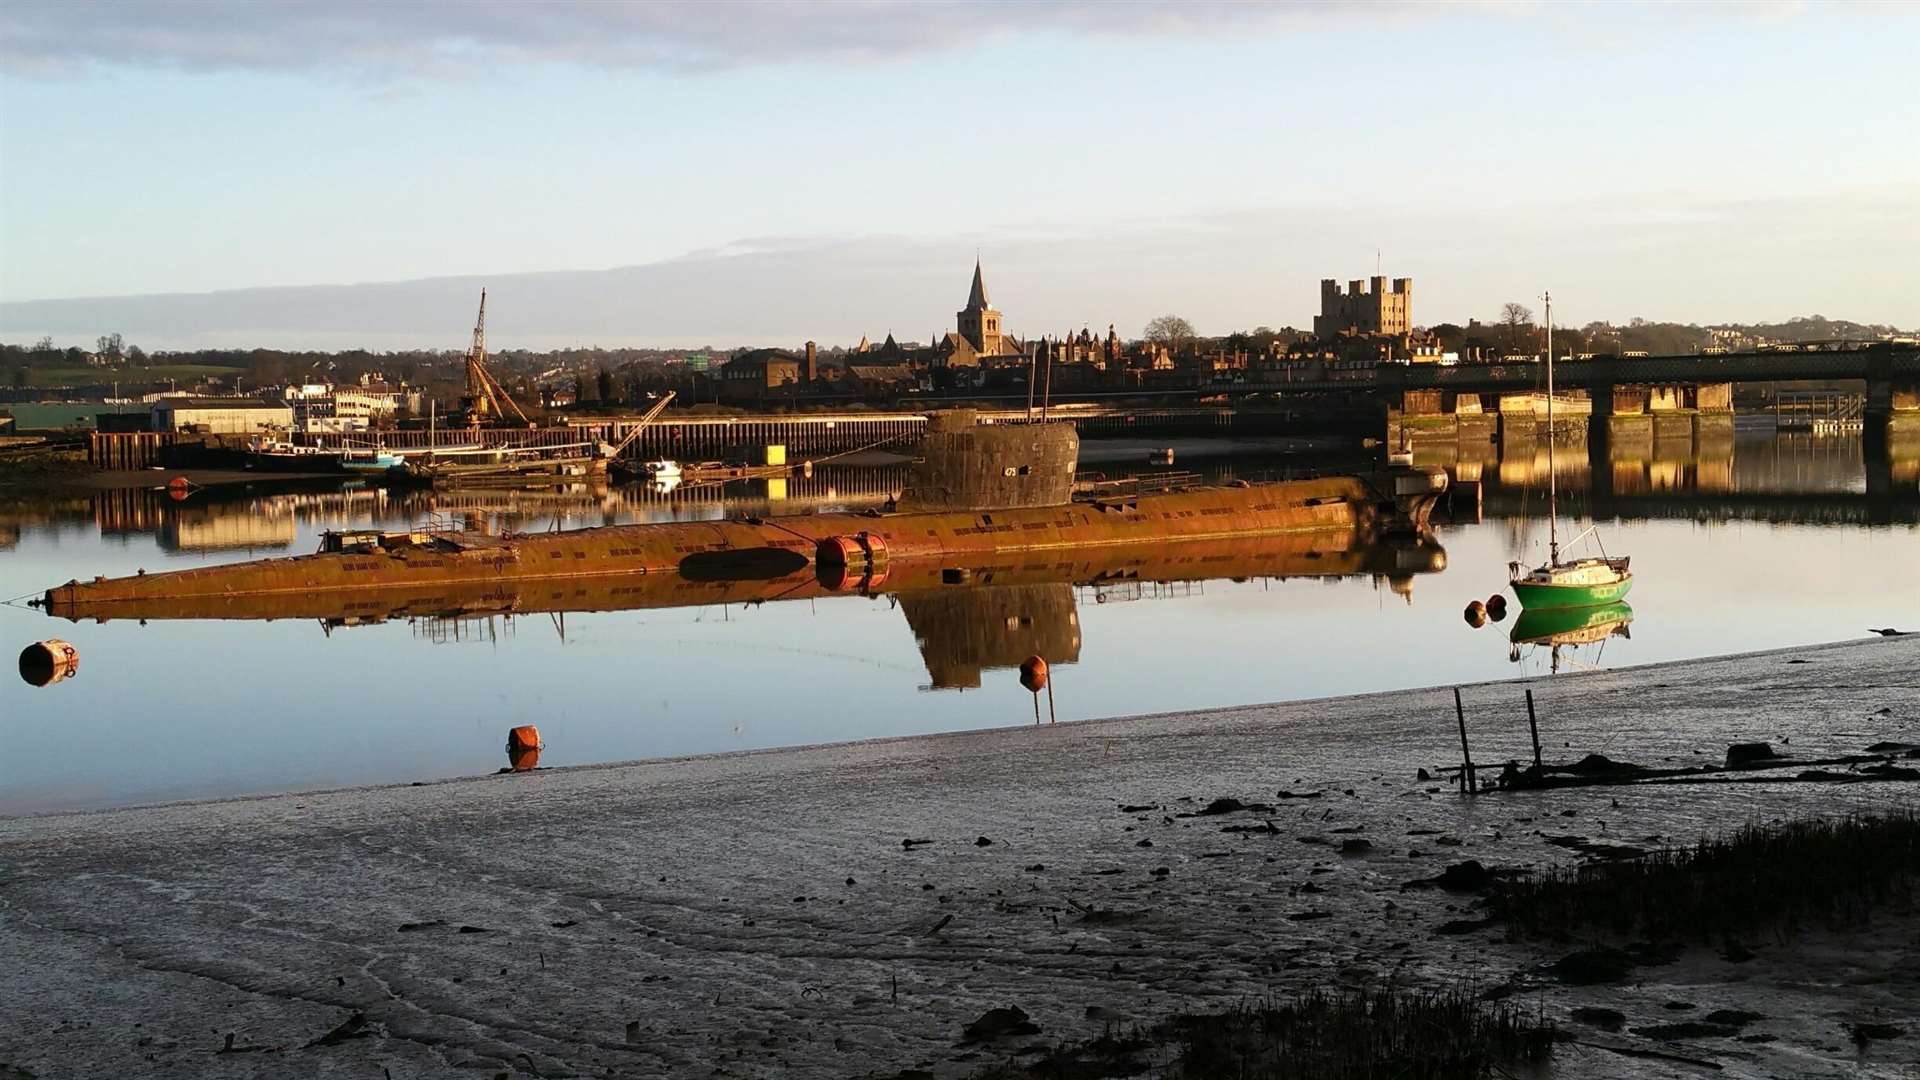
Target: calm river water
{"x": 1767, "y": 541}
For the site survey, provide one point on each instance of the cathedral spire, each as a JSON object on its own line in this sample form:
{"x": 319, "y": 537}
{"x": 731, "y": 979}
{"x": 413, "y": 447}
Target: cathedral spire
{"x": 977, "y": 299}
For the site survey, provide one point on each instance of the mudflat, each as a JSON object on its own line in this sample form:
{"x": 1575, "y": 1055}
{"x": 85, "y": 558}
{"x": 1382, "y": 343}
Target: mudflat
{"x": 849, "y": 910}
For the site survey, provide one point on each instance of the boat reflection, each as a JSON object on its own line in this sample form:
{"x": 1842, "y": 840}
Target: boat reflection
{"x": 1571, "y": 629}
{"x": 966, "y": 618}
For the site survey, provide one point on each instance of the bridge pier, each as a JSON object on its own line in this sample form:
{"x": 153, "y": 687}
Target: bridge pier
{"x": 1442, "y": 414}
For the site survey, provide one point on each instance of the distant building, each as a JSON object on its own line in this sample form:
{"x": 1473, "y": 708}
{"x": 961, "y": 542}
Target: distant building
{"x": 979, "y": 338}
{"x": 324, "y": 407}
{"x": 1364, "y": 312}
{"x": 64, "y": 415}
{"x": 758, "y": 375}
{"x": 222, "y": 416}
{"x": 868, "y": 378}
{"x": 1104, "y": 354}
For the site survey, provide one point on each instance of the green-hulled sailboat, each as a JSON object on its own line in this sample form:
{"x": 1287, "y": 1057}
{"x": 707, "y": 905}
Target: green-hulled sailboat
{"x": 1571, "y": 583}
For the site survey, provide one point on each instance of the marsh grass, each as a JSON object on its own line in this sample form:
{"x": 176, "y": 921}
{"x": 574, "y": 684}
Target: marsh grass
{"x": 1778, "y": 878}
{"x": 1351, "y": 1034}
{"x": 1319, "y": 1035}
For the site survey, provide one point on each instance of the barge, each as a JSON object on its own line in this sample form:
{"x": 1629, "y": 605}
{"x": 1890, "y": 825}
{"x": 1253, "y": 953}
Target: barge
{"x": 980, "y": 493}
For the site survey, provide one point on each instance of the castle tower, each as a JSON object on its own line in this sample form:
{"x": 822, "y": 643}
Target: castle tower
{"x": 979, "y": 321}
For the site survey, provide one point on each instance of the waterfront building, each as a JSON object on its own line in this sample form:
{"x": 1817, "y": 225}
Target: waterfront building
{"x": 222, "y": 416}
{"x": 326, "y": 407}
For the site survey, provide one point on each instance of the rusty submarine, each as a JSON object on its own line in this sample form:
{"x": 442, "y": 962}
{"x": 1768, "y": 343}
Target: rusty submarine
{"x": 979, "y": 496}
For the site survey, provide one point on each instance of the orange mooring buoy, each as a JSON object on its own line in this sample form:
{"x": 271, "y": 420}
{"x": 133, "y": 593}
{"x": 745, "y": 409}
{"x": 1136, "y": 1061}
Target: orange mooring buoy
{"x": 1476, "y": 614}
{"x": 1033, "y": 676}
{"x": 44, "y": 663}
{"x": 523, "y": 748}
{"x": 1497, "y": 605}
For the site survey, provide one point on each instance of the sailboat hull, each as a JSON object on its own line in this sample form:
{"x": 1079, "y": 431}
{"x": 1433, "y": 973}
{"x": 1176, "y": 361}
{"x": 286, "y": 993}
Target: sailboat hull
{"x": 1544, "y": 595}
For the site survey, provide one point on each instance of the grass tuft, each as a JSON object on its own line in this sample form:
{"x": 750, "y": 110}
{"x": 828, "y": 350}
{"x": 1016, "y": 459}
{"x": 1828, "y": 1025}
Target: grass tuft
{"x": 1776, "y": 878}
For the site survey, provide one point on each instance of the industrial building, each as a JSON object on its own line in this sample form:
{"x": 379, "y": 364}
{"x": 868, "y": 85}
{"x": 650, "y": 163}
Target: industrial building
{"x": 222, "y": 416}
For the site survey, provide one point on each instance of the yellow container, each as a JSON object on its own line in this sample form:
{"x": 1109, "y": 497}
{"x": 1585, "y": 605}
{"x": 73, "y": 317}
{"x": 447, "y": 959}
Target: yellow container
{"x": 776, "y": 454}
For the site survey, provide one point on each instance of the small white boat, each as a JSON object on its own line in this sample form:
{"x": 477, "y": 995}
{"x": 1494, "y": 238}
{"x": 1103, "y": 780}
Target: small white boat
{"x": 662, "y": 468}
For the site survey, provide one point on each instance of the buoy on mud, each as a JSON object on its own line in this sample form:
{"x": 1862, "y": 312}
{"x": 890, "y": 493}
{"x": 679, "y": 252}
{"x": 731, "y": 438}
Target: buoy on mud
{"x": 44, "y": 663}
{"x": 1476, "y": 614}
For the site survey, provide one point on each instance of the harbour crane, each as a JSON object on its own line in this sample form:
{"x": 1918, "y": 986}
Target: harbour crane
{"x": 611, "y": 451}
{"x": 485, "y": 396}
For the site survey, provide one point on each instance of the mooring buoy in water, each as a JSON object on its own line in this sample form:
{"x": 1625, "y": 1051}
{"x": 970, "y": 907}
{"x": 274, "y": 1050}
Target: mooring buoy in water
{"x": 1033, "y": 676}
{"x": 523, "y": 748}
{"x": 1476, "y": 614}
{"x": 1497, "y": 605}
{"x": 44, "y": 663}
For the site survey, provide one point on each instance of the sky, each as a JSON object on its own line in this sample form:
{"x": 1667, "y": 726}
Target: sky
{"x": 735, "y": 173}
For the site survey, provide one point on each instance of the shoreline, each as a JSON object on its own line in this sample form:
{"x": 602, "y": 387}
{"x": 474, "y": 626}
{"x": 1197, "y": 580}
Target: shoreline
{"x": 755, "y": 912}
{"x": 880, "y": 741}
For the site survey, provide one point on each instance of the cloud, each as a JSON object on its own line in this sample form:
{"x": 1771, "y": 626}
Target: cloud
{"x": 1845, "y": 255}
{"x": 443, "y": 38}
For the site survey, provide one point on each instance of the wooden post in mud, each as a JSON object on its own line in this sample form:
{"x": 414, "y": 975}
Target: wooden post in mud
{"x": 1468, "y": 783}
{"x": 1533, "y": 727}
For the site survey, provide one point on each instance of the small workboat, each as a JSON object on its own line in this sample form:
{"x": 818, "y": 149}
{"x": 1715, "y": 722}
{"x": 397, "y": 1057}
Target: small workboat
{"x": 276, "y": 455}
{"x": 662, "y": 468}
{"x": 377, "y": 459}
{"x": 1563, "y": 583}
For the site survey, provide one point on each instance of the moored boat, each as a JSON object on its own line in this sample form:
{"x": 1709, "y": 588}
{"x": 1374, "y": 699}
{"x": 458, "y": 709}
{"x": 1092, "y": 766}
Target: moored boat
{"x": 1575, "y": 584}
{"x": 1559, "y": 583}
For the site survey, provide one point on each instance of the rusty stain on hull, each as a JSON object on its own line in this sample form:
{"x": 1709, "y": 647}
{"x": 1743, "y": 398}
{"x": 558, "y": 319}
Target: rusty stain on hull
{"x": 772, "y": 550}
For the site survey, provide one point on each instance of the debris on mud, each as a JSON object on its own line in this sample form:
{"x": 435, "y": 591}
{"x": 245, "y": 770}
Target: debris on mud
{"x": 999, "y": 1024}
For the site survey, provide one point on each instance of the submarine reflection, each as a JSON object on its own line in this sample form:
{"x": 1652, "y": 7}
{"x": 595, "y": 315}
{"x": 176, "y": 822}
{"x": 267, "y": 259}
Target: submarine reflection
{"x": 967, "y": 618}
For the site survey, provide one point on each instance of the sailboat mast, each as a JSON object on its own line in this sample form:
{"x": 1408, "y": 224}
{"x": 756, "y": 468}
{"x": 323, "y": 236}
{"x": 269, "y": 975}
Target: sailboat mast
{"x": 1553, "y": 473}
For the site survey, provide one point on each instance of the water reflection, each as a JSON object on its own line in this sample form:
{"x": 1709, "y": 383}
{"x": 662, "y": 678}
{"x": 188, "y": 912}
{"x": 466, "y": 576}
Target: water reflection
{"x": 966, "y": 617}
{"x": 1566, "y": 632}
{"x": 1752, "y": 475}
{"x": 331, "y": 691}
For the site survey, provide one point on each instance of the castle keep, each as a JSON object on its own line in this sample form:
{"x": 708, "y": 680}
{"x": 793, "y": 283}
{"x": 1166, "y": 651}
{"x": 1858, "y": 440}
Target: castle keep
{"x": 1364, "y": 311}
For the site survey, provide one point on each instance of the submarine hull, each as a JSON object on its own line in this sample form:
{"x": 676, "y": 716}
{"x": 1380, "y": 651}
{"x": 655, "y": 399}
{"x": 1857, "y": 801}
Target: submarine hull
{"x": 720, "y": 550}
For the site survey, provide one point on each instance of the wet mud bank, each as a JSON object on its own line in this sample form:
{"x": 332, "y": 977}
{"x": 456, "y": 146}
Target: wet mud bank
{"x": 862, "y": 909}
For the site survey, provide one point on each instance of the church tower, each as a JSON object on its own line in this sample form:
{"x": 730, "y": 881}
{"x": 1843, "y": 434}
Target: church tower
{"x": 979, "y": 321}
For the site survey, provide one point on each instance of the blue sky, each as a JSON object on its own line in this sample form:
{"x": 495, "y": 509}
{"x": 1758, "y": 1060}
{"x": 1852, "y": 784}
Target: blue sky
{"x": 1726, "y": 162}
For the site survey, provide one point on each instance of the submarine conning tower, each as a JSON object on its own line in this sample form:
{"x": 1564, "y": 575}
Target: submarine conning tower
{"x": 967, "y": 465}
